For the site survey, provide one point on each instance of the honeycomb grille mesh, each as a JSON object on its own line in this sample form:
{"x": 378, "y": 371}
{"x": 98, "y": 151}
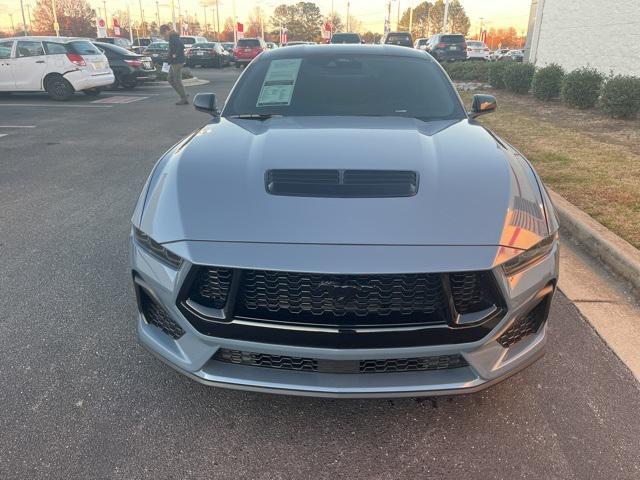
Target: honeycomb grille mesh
{"x": 212, "y": 287}
{"x": 155, "y": 315}
{"x": 342, "y": 299}
{"x": 439, "y": 362}
{"x": 264, "y": 360}
{"x": 524, "y": 325}
{"x": 468, "y": 292}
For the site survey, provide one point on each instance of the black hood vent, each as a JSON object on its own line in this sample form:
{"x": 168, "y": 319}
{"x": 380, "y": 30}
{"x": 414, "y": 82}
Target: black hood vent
{"x": 342, "y": 183}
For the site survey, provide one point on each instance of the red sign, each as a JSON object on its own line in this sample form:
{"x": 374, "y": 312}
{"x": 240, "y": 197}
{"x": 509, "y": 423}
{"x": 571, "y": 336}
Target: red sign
{"x": 101, "y": 23}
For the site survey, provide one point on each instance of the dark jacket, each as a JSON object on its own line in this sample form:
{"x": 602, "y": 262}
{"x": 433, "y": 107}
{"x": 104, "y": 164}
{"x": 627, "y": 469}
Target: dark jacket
{"x": 176, "y": 50}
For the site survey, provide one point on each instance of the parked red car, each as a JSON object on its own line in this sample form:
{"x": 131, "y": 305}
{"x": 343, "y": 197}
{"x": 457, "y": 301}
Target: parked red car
{"x": 247, "y": 49}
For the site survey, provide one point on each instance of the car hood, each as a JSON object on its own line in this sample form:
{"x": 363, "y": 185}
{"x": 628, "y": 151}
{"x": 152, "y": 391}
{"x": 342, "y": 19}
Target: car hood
{"x": 474, "y": 189}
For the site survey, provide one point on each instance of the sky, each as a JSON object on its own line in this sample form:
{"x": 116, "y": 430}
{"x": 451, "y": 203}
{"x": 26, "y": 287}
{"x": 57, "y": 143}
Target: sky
{"x": 495, "y": 13}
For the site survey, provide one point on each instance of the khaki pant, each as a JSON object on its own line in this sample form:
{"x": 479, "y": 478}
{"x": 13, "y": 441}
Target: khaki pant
{"x": 175, "y": 80}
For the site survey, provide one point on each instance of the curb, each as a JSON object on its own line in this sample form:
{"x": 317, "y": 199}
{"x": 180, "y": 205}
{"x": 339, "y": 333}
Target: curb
{"x": 618, "y": 255}
{"x": 189, "y": 82}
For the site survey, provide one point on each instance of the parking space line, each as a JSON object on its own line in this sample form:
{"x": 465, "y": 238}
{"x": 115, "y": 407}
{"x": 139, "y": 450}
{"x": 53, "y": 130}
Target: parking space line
{"x": 17, "y": 126}
{"x": 120, "y": 99}
{"x": 52, "y": 105}
{"x": 132, "y": 94}
{"x": 3, "y": 135}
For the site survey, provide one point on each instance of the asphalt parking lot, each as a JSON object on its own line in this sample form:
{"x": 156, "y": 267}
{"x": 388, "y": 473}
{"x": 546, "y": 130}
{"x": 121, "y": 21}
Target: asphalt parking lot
{"x": 80, "y": 398}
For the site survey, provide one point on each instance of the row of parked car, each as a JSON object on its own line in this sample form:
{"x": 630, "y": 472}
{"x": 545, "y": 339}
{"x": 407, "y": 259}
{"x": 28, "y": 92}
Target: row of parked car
{"x": 62, "y": 66}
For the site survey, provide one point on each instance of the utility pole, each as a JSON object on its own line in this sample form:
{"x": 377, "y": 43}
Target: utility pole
{"x": 205, "y": 18}
{"x": 218, "y": 18}
{"x": 173, "y": 14}
{"x": 235, "y": 24}
{"x": 129, "y": 24}
{"x": 410, "y": 19}
{"x": 158, "y": 12}
{"x": 13, "y": 29}
{"x": 348, "y": 5}
{"x": 445, "y": 21}
{"x": 398, "y": 21}
{"x": 106, "y": 20}
{"x": 480, "y": 31}
{"x": 144, "y": 28}
{"x": 56, "y": 25}
{"x": 24, "y": 20}
{"x": 261, "y": 24}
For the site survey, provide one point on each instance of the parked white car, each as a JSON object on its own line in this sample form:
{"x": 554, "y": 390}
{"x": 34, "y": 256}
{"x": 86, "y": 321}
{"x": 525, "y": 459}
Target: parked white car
{"x": 477, "y": 50}
{"x": 60, "y": 66}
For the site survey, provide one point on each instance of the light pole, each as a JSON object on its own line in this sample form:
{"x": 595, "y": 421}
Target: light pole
{"x": 56, "y": 26}
{"x": 13, "y": 29}
{"x": 144, "y": 28}
{"x": 445, "y": 21}
{"x": 348, "y": 5}
{"x": 106, "y": 21}
{"x": 173, "y": 14}
{"x": 158, "y": 13}
{"x": 24, "y": 20}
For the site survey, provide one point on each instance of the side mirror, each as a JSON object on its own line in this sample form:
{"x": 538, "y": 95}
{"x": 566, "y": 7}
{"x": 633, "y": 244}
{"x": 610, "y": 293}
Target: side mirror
{"x": 207, "y": 103}
{"x": 482, "y": 104}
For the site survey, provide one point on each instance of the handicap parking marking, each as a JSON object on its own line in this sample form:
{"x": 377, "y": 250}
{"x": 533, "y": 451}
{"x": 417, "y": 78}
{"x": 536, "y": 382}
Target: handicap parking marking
{"x": 119, "y": 99}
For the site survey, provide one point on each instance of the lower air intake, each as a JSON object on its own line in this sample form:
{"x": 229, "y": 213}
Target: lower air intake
{"x": 438, "y": 362}
{"x": 525, "y": 325}
{"x": 155, "y": 315}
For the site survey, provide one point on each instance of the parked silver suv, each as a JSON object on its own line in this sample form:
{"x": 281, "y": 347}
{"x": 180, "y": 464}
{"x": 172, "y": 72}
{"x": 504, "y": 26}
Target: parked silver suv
{"x": 344, "y": 228}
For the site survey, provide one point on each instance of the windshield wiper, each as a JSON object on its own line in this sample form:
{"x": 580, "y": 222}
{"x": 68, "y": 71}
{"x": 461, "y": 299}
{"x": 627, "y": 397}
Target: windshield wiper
{"x": 256, "y": 116}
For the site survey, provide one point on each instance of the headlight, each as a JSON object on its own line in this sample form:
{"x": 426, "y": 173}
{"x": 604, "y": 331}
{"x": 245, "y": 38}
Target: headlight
{"x": 155, "y": 249}
{"x": 529, "y": 257}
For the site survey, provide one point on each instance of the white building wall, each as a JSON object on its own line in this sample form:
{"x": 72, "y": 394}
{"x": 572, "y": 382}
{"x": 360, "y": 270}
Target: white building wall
{"x": 602, "y": 34}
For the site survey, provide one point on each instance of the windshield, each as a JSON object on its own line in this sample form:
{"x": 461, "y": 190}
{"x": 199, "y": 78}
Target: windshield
{"x": 345, "y": 85}
{"x": 452, "y": 39}
{"x": 345, "y": 38}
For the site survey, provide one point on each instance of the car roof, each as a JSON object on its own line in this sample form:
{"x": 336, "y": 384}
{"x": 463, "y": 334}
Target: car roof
{"x": 45, "y": 38}
{"x": 346, "y": 49}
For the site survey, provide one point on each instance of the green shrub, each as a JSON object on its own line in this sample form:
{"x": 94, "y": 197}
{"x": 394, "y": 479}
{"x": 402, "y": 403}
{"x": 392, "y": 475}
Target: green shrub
{"x": 468, "y": 71}
{"x": 496, "y": 73}
{"x": 547, "y": 82}
{"x": 581, "y": 88}
{"x": 621, "y": 96}
{"x": 517, "y": 77}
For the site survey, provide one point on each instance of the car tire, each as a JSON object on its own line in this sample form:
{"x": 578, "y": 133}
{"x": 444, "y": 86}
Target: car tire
{"x": 58, "y": 88}
{"x": 92, "y": 92}
{"x": 126, "y": 83}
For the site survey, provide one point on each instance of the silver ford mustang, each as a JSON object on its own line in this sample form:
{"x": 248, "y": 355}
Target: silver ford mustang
{"x": 344, "y": 227}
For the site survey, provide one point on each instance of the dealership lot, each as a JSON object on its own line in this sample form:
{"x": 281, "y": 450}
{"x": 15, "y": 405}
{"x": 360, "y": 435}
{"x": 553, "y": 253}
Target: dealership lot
{"x": 82, "y": 400}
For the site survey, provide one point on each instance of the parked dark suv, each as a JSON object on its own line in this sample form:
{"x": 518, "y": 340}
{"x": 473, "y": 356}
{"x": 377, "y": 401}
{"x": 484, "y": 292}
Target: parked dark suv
{"x": 402, "y": 39}
{"x": 447, "y": 47}
{"x": 345, "y": 38}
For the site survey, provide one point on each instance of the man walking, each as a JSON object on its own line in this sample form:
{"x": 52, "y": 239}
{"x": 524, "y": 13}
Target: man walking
{"x": 176, "y": 61}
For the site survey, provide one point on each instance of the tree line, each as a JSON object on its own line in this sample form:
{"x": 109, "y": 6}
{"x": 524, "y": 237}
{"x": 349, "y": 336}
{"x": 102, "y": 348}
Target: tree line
{"x": 303, "y": 21}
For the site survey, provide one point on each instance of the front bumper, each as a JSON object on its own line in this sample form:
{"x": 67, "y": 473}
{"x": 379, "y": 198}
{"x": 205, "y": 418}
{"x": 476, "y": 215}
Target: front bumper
{"x": 192, "y": 354}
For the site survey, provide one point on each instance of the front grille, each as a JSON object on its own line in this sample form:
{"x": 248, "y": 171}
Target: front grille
{"x": 341, "y": 300}
{"x": 212, "y": 287}
{"x": 525, "y": 325}
{"x": 340, "y": 311}
{"x": 341, "y": 183}
{"x": 438, "y": 362}
{"x": 469, "y": 292}
{"x": 155, "y": 315}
